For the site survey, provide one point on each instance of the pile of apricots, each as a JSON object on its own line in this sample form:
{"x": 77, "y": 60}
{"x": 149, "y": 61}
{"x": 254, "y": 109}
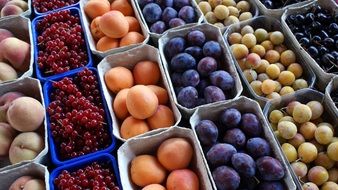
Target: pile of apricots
{"x": 168, "y": 170}
{"x": 140, "y": 103}
{"x": 113, "y": 24}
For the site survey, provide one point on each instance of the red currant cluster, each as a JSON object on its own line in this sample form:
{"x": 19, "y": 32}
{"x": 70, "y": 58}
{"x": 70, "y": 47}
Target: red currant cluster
{"x": 61, "y": 43}
{"x": 77, "y": 118}
{"x": 43, "y": 6}
{"x": 95, "y": 176}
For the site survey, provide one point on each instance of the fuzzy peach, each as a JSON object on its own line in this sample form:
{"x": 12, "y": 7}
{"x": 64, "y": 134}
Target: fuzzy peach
{"x": 16, "y": 52}
{"x": 7, "y": 72}
{"x": 8, "y": 10}
{"x": 35, "y": 184}
{"x": 5, "y": 34}
{"x": 5, "y": 101}
{"x": 19, "y": 183}
{"x": 7, "y": 134}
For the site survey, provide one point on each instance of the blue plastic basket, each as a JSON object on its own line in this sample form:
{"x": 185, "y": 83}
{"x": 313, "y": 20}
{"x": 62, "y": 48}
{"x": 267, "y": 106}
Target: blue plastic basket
{"x": 105, "y": 158}
{"x": 53, "y": 149}
{"x": 36, "y": 13}
{"x": 39, "y": 74}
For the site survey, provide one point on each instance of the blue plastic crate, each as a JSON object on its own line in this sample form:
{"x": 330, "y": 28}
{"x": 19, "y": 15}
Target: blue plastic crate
{"x": 36, "y": 13}
{"x": 52, "y": 147}
{"x": 39, "y": 74}
{"x": 83, "y": 163}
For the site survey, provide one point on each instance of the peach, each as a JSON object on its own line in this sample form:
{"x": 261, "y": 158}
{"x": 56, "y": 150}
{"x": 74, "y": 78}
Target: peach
{"x": 7, "y": 72}
{"x": 21, "y": 117}
{"x": 16, "y": 52}
{"x": 95, "y": 8}
{"x": 134, "y": 25}
{"x": 20, "y": 3}
{"x": 35, "y": 184}
{"x": 113, "y": 24}
{"x": 5, "y": 101}
{"x": 7, "y": 134}
{"x": 106, "y": 43}
{"x": 182, "y": 179}
{"x": 95, "y": 29}
{"x": 26, "y": 146}
{"x": 3, "y": 3}
{"x": 154, "y": 187}
{"x": 19, "y": 183}
{"x": 11, "y": 10}
{"x": 131, "y": 38}
{"x": 123, "y": 6}
{"x": 5, "y": 34}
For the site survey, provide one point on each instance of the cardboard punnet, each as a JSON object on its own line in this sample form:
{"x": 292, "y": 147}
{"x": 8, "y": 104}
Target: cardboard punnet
{"x": 26, "y": 169}
{"x": 322, "y": 76}
{"x": 226, "y": 63}
{"x": 32, "y": 88}
{"x": 333, "y": 86}
{"x": 21, "y": 29}
{"x": 149, "y": 144}
{"x": 244, "y": 105}
{"x": 303, "y": 96}
{"x": 92, "y": 43}
{"x": 129, "y": 59}
{"x": 270, "y": 24}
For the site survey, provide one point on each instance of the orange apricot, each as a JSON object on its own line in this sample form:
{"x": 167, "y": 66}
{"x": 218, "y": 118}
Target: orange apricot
{"x": 95, "y": 8}
{"x": 182, "y": 179}
{"x": 161, "y": 93}
{"x": 132, "y": 127}
{"x": 141, "y": 102}
{"x": 146, "y": 73}
{"x": 134, "y": 25}
{"x": 113, "y": 24}
{"x": 95, "y": 29}
{"x": 162, "y": 118}
{"x": 118, "y": 78}
{"x": 105, "y": 43}
{"x": 123, "y": 6}
{"x": 120, "y": 106}
{"x": 131, "y": 38}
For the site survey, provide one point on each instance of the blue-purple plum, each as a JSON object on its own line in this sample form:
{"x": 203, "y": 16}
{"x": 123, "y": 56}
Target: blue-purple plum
{"x": 168, "y": 14}
{"x": 222, "y": 79}
{"x": 196, "y": 38}
{"x": 268, "y": 185}
{"x": 152, "y": 12}
{"x": 174, "y": 46}
{"x": 213, "y": 94}
{"x": 165, "y": 3}
{"x": 143, "y": 3}
{"x": 195, "y": 51}
{"x": 176, "y": 22}
{"x": 190, "y": 78}
{"x": 235, "y": 137}
{"x": 212, "y": 49}
{"x": 158, "y": 27}
{"x": 258, "y": 147}
{"x": 176, "y": 79}
{"x": 187, "y": 13}
{"x": 206, "y": 66}
{"x": 244, "y": 164}
{"x": 182, "y": 62}
{"x": 251, "y": 125}
{"x": 207, "y": 132}
{"x": 270, "y": 169}
{"x": 226, "y": 178}
{"x": 201, "y": 86}
{"x": 187, "y": 97}
{"x": 178, "y": 4}
{"x": 230, "y": 117}
{"x": 220, "y": 154}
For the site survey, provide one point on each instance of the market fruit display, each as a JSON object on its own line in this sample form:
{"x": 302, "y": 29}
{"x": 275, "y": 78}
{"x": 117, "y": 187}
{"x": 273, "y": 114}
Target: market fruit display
{"x": 20, "y": 140}
{"x": 141, "y": 101}
{"x": 308, "y": 143}
{"x": 238, "y": 154}
{"x": 158, "y": 171}
{"x": 276, "y": 4}
{"x": 60, "y": 43}
{"x": 225, "y": 13}
{"x": 92, "y": 176}
{"x": 42, "y": 6}
{"x": 195, "y": 67}
{"x": 13, "y": 7}
{"x": 29, "y": 183}
{"x": 113, "y": 25}
{"x": 161, "y": 15}
{"x": 77, "y": 117}
{"x": 317, "y": 32}
{"x": 271, "y": 69}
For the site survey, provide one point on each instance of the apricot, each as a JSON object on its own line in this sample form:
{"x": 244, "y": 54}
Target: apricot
{"x": 146, "y": 170}
{"x": 134, "y": 25}
{"x": 8, "y": 10}
{"x": 118, "y": 78}
{"x": 20, "y": 182}
{"x": 162, "y": 118}
{"x": 21, "y": 117}
{"x": 95, "y": 29}
{"x": 132, "y": 127}
{"x": 146, "y": 73}
{"x": 161, "y": 93}
{"x": 123, "y": 6}
{"x": 5, "y": 34}
{"x": 182, "y": 179}
{"x": 16, "y": 52}
{"x": 7, "y": 134}
{"x": 35, "y": 184}
{"x": 178, "y": 149}
{"x": 141, "y": 102}
{"x": 106, "y": 43}
{"x": 113, "y": 24}
{"x": 119, "y": 105}
{"x": 95, "y": 8}
{"x": 131, "y": 38}
{"x": 154, "y": 187}
{"x": 26, "y": 146}
{"x": 7, "y": 72}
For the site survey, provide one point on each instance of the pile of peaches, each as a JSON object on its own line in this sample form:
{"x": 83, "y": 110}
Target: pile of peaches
{"x": 20, "y": 119}
{"x": 141, "y": 103}
{"x": 12, "y": 7}
{"x": 14, "y": 56}
{"x": 113, "y": 25}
